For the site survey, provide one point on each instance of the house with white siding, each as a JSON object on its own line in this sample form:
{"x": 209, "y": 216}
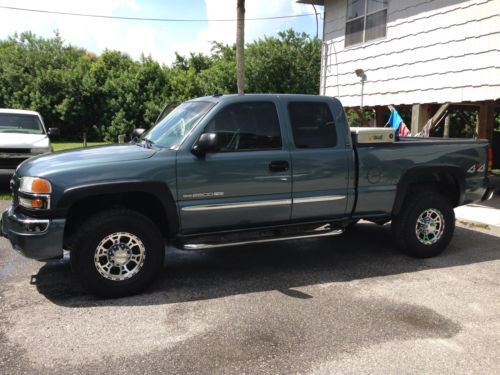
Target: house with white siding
{"x": 416, "y": 53}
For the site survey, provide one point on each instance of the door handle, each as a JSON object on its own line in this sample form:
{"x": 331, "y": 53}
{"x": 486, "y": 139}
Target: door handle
{"x": 279, "y": 166}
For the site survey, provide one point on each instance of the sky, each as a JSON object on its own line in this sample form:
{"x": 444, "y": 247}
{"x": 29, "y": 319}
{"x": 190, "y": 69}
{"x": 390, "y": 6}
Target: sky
{"x": 159, "y": 39}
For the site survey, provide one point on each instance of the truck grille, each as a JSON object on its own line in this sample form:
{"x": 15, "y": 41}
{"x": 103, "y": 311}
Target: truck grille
{"x": 11, "y": 163}
{"x": 15, "y": 150}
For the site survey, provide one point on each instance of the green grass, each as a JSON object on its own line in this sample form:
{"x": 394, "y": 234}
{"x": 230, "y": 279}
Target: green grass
{"x": 5, "y": 196}
{"x": 60, "y": 146}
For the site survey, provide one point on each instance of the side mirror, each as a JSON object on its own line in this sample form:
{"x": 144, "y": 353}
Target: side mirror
{"x": 138, "y": 132}
{"x": 53, "y": 132}
{"x": 205, "y": 144}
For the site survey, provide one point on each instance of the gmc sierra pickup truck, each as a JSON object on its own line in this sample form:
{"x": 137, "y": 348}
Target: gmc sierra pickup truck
{"x": 232, "y": 170}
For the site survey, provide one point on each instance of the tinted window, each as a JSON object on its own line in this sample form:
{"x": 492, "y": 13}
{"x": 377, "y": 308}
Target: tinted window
{"x": 312, "y": 125}
{"x": 246, "y": 126}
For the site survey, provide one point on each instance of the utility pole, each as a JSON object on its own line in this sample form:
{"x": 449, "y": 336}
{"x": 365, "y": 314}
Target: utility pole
{"x": 240, "y": 46}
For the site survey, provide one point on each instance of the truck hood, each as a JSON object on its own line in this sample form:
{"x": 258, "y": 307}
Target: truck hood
{"x": 20, "y": 140}
{"x": 73, "y": 159}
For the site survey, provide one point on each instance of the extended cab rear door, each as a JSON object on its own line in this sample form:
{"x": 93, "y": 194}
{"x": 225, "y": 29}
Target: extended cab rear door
{"x": 247, "y": 181}
{"x": 321, "y": 158}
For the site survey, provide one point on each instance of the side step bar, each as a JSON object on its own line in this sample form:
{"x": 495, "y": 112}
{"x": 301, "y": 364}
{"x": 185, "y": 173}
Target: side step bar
{"x": 222, "y": 241}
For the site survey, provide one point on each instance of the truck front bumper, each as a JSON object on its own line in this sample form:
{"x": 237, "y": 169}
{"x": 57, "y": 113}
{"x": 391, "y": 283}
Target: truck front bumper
{"x": 39, "y": 239}
{"x": 492, "y": 186}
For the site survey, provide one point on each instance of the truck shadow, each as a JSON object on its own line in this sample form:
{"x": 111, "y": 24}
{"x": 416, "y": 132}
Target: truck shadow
{"x": 365, "y": 252}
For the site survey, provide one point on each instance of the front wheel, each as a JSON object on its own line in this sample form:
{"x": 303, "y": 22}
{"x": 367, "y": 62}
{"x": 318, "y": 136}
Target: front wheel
{"x": 425, "y": 225}
{"x": 118, "y": 253}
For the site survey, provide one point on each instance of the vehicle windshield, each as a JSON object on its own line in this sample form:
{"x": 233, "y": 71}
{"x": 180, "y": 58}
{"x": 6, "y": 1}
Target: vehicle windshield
{"x": 173, "y": 128}
{"x": 18, "y": 123}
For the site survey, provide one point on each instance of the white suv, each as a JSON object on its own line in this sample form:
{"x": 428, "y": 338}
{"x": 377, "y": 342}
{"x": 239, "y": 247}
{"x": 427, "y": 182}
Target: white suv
{"x": 22, "y": 135}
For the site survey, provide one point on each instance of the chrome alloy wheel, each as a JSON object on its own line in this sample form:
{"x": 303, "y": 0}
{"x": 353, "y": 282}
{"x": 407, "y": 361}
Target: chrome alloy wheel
{"x": 119, "y": 256}
{"x": 430, "y": 226}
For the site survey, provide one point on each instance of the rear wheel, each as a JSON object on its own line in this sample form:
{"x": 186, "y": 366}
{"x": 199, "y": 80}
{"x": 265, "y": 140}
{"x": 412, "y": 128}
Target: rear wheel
{"x": 425, "y": 225}
{"x": 118, "y": 253}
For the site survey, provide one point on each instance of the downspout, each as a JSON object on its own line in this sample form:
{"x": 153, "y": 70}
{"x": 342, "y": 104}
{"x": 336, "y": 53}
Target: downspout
{"x": 324, "y": 50}
{"x": 325, "y": 62}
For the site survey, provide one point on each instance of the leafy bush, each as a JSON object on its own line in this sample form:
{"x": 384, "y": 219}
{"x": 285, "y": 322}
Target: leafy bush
{"x": 112, "y": 94}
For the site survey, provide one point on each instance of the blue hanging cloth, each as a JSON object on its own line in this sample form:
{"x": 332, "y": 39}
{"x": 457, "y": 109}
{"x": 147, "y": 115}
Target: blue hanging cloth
{"x": 394, "y": 120}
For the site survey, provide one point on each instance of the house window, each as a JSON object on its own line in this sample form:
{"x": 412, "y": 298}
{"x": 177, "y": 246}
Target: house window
{"x": 366, "y": 20}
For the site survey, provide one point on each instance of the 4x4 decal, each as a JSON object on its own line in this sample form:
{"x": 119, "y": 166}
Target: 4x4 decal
{"x": 477, "y": 167}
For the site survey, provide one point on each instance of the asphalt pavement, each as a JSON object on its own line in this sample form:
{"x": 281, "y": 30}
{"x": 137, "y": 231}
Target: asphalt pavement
{"x": 344, "y": 305}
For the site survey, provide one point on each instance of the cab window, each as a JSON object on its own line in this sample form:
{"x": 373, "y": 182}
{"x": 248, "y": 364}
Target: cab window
{"x": 312, "y": 125}
{"x": 247, "y": 126}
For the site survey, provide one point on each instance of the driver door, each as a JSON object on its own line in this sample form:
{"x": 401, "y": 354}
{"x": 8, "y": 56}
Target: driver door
{"x": 246, "y": 182}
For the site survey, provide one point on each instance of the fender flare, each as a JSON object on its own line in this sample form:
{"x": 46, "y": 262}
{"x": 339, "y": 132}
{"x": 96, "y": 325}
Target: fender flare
{"x": 157, "y": 189}
{"x": 413, "y": 175}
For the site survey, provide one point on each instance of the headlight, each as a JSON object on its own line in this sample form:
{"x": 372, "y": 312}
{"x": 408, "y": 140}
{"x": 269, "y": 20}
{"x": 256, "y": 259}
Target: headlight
{"x": 40, "y": 150}
{"x": 34, "y": 192}
{"x": 34, "y": 185}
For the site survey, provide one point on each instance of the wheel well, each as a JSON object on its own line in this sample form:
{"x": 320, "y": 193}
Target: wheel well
{"x": 144, "y": 203}
{"x": 442, "y": 182}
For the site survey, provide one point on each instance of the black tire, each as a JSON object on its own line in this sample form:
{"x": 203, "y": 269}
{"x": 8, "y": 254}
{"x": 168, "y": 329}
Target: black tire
{"x": 404, "y": 225}
{"x": 147, "y": 242}
{"x": 351, "y": 225}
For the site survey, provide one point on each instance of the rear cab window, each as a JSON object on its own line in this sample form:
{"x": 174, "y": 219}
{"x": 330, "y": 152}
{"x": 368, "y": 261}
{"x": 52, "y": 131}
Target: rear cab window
{"x": 247, "y": 126}
{"x": 312, "y": 125}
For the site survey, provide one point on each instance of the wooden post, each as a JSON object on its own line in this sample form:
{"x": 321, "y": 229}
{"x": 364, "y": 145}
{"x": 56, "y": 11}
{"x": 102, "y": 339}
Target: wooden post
{"x": 486, "y": 120}
{"x": 446, "y": 130}
{"x": 380, "y": 117}
{"x": 435, "y": 119}
{"x": 419, "y": 117}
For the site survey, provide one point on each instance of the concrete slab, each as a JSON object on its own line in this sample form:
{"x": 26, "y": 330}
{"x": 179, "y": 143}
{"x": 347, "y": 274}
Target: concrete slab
{"x": 487, "y": 213}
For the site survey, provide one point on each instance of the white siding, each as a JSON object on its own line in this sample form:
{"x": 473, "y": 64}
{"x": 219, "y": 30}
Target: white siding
{"x": 435, "y": 51}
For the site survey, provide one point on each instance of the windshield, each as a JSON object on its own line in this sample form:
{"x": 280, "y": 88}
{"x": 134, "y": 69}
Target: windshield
{"x": 173, "y": 128}
{"x": 17, "y": 123}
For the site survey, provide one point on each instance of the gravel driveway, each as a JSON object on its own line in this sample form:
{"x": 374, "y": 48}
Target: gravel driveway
{"x": 349, "y": 304}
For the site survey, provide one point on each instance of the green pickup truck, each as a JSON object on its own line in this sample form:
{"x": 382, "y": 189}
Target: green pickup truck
{"x": 233, "y": 170}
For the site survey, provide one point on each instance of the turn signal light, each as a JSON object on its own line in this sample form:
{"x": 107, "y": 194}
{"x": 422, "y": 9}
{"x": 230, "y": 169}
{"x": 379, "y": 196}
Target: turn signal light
{"x": 37, "y": 203}
{"x": 41, "y": 186}
{"x": 33, "y": 202}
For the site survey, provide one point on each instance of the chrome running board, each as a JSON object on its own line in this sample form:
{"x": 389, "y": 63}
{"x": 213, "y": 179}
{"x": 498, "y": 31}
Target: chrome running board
{"x": 193, "y": 244}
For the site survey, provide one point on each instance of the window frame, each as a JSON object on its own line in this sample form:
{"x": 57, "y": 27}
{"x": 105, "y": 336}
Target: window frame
{"x": 363, "y": 17}
{"x": 276, "y": 108}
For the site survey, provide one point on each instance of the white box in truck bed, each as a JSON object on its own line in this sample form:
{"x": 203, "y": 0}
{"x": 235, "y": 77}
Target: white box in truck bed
{"x": 373, "y": 135}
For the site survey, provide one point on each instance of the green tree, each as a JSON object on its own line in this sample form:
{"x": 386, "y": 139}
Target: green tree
{"x": 112, "y": 94}
{"x": 288, "y": 63}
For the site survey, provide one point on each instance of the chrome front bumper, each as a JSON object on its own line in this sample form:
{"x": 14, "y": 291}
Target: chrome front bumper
{"x": 40, "y": 239}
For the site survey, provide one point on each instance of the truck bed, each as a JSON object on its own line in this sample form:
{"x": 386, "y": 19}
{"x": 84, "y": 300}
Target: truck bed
{"x": 380, "y": 168}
